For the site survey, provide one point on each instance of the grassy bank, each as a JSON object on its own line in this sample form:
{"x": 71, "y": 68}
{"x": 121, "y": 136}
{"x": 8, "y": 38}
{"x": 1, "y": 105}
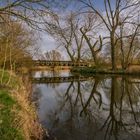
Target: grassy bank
{"x": 18, "y": 120}
{"x": 8, "y": 130}
{"x": 93, "y": 70}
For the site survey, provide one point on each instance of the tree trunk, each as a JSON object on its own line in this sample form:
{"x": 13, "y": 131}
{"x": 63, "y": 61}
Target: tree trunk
{"x": 113, "y": 51}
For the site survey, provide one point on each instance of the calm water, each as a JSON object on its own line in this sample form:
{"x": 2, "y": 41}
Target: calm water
{"x": 101, "y": 108}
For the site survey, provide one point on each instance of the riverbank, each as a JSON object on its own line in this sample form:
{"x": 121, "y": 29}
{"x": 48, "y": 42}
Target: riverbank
{"x": 93, "y": 70}
{"x": 18, "y": 119}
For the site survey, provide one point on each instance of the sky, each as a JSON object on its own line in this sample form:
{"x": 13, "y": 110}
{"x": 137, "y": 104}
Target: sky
{"x": 48, "y": 43}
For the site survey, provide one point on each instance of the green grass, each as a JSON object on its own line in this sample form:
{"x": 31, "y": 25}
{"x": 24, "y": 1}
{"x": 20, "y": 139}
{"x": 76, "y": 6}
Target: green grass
{"x": 8, "y": 130}
{"x": 16, "y": 110}
{"x": 7, "y": 116}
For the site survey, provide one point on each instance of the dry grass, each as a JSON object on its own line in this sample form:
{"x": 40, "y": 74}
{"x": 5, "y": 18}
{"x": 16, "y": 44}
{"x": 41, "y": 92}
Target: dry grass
{"x": 26, "y": 118}
{"x": 1, "y": 106}
{"x": 133, "y": 68}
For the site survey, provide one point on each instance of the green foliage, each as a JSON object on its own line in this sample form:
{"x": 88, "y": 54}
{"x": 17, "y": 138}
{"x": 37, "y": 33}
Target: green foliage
{"x": 93, "y": 70}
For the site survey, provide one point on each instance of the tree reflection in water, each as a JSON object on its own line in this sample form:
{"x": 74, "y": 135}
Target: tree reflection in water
{"x": 100, "y": 109}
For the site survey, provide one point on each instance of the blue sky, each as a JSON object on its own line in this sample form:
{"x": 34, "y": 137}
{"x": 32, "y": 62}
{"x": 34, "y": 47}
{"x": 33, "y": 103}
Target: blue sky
{"x": 75, "y": 4}
{"x": 48, "y": 43}
{"x": 99, "y": 3}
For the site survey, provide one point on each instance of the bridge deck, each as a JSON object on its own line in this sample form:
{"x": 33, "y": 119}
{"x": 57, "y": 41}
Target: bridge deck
{"x": 60, "y": 63}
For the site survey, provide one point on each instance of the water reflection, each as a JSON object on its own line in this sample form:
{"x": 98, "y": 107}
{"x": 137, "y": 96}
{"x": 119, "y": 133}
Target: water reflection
{"x": 51, "y": 73}
{"x": 99, "y": 109}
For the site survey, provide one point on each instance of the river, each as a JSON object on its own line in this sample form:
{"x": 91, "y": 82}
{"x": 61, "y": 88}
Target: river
{"x": 100, "y": 107}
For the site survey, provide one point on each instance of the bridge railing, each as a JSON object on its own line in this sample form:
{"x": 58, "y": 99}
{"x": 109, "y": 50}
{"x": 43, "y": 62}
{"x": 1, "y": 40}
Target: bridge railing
{"x": 60, "y": 63}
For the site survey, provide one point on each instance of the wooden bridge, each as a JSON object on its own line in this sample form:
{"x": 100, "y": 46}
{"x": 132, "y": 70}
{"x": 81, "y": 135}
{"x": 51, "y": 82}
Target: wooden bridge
{"x": 58, "y": 79}
{"x": 60, "y": 63}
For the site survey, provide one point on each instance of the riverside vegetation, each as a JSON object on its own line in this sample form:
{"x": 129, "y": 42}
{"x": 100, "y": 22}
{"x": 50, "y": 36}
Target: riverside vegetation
{"x": 79, "y": 32}
{"x": 133, "y": 70}
{"x": 18, "y": 119}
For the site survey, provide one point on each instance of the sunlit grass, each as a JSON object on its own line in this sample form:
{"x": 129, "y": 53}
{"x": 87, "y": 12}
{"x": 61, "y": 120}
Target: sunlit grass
{"x": 18, "y": 119}
{"x": 7, "y": 129}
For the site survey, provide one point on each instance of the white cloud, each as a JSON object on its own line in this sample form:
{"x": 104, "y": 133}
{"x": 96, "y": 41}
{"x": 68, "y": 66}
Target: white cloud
{"x": 47, "y": 42}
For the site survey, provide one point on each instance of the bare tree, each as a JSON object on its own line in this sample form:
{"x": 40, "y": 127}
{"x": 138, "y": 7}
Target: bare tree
{"x": 88, "y": 32}
{"x": 29, "y": 11}
{"x": 13, "y": 33}
{"x": 71, "y": 33}
{"x": 111, "y": 19}
{"x": 129, "y": 44}
{"x": 61, "y": 33}
{"x": 92, "y": 46}
{"x": 66, "y": 31}
{"x": 53, "y": 55}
